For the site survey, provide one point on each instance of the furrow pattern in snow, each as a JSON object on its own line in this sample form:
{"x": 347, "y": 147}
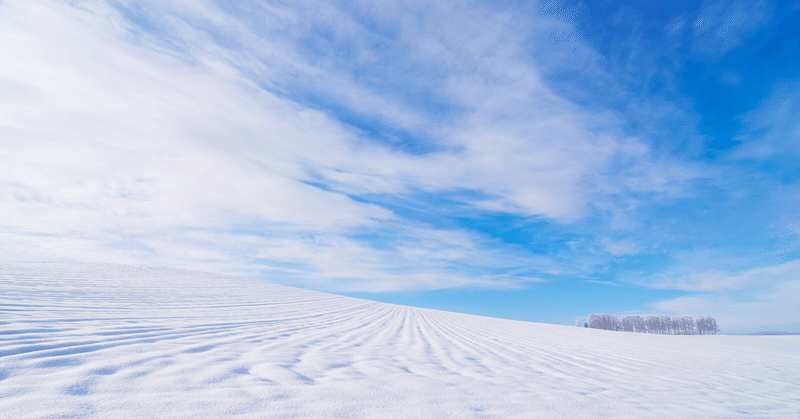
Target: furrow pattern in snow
{"x": 116, "y": 341}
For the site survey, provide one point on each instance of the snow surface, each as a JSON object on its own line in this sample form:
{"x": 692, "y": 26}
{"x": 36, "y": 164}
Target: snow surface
{"x": 118, "y": 342}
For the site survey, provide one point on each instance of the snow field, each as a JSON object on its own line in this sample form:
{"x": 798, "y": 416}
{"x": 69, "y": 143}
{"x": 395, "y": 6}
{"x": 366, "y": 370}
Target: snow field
{"x": 109, "y": 341}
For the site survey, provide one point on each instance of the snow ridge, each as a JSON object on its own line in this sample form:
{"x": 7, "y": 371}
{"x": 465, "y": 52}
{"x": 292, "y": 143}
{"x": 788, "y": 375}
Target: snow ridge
{"x": 103, "y": 341}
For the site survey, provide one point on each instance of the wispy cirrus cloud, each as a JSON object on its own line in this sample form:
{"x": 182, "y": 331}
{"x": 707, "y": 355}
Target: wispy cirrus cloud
{"x": 440, "y": 93}
{"x": 727, "y": 280}
{"x": 772, "y": 129}
{"x": 722, "y": 26}
{"x": 153, "y": 152}
{"x": 746, "y": 312}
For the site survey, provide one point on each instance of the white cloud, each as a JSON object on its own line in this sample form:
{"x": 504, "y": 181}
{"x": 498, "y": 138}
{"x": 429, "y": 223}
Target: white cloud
{"x": 720, "y": 280}
{"x": 125, "y": 145}
{"x": 737, "y": 313}
{"x": 620, "y": 248}
{"x": 528, "y": 150}
{"x": 724, "y": 25}
{"x": 771, "y": 130}
{"x": 742, "y": 301}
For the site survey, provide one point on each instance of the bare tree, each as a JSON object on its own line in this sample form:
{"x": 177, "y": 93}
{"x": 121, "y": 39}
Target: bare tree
{"x": 626, "y": 324}
{"x": 652, "y": 324}
{"x": 666, "y": 324}
{"x": 702, "y": 325}
{"x": 594, "y": 321}
{"x": 686, "y": 325}
{"x": 603, "y": 321}
{"x": 661, "y": 324}
{"x": 712, "y": 325}
{"x": 639, "y": 325}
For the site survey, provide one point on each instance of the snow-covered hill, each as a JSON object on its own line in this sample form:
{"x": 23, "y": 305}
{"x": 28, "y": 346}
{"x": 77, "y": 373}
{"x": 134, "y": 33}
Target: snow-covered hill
{"x": 119, "y": 342}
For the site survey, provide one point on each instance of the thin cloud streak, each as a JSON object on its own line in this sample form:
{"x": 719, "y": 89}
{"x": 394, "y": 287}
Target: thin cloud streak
{"x": 139, "y": 145}
{"x": 505, "y": 134}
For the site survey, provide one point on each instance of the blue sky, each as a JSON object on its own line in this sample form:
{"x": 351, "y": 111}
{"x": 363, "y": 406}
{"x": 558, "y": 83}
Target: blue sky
{"x": 536, "y": 161}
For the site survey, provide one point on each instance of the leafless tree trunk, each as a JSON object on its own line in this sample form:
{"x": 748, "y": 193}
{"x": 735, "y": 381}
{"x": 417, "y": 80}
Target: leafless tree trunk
{"x": 662, "y": 324}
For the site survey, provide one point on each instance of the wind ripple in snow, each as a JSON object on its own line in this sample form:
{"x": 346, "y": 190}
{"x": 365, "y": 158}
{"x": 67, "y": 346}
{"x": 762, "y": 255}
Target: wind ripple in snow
{"x": 115, "y": 341}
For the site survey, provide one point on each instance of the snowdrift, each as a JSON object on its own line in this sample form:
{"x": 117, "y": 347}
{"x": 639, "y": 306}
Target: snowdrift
{"x": 107, "y": 341}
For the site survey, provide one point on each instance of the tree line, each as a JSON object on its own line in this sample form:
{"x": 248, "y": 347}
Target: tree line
{"x": 662, "y": 325}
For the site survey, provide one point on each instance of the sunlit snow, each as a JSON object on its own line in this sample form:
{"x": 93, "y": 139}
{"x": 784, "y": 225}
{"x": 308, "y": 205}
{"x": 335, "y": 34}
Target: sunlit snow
{"x": 113, "y": 341}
